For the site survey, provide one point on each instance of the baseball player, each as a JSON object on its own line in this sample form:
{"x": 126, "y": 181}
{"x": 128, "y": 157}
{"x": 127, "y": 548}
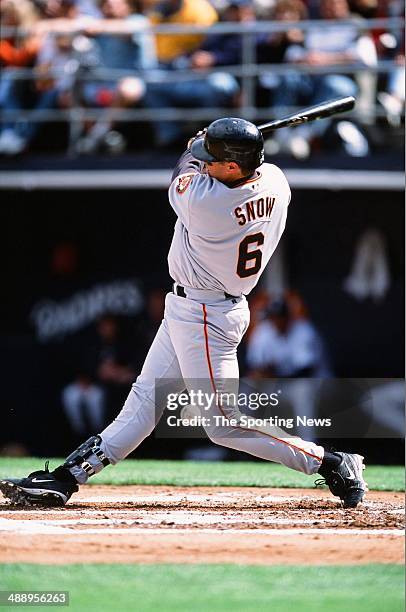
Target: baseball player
{"x": 231, "y": 210}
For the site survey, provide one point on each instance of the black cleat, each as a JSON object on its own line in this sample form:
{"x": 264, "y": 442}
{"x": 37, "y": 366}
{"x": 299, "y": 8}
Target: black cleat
{"x": 39, "y": 487}
{"x": 346, "y": 481}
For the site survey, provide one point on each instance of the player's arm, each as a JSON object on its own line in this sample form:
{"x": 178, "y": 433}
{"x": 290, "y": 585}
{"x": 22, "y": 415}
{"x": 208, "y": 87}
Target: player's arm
{"x": 186, "y": 164}
{"x": 187, "y": 191}
{"x": 185, "y": 178}
{"x": 186, "y": 169}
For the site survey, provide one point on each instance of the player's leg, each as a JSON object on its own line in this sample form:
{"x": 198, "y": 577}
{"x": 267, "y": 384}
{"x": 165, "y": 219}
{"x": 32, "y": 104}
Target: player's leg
{"x": 205, "y": 338}
{"x": 140, "y": 412}
{"x": 135, "y": 422}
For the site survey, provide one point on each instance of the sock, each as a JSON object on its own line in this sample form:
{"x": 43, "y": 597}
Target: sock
{"x": 62, "y": 473}
{"x": 329, "y": 463}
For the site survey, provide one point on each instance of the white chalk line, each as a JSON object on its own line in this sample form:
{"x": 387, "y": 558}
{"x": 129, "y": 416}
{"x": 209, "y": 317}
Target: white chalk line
{"x": 219, "y": 497}
{"x": 162, "y": 518}
{"x": 62, "y": 527}
{"x": 67, "y": 511}
{"x": 190, "y": 498}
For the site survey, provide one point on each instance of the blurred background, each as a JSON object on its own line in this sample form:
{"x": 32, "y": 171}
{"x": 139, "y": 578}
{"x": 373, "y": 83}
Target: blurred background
{"x": 97, "y": 101}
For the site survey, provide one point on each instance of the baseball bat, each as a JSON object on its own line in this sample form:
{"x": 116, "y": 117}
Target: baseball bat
{"x": 319, "y": 111}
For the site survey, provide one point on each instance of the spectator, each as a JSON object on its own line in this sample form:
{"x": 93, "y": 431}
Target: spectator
{"x": 129, "y": 48}
{"x": 271, "y": 48}
{"x": 15, "y": 52}
{"x": 88, "y": 8}
{"x": 84, "y": 405}
{"x": 393, "y": 98}
{"x": 282, "y": 345}
{"x": 54, "y": 79}
{"x": 263, "y": 8}
{"x": 193, "y": 12}
{"x": 113, "y": 357}
{"x": 222, "y": 49}
{"x": 391, "y": 46}
{"x": 51, "y": 9}
{"x": 364, "y": 8}
{"x": 105, "y": 367}
{"x": 218, "y": 89}
{"x": 287, "y": 345}
{"x": 330, "y": 45}
{"x": 121, "y": 37}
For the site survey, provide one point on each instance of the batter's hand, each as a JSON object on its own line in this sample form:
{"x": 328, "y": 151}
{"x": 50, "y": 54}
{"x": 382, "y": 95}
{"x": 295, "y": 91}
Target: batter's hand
{"x": 198, "y": 135}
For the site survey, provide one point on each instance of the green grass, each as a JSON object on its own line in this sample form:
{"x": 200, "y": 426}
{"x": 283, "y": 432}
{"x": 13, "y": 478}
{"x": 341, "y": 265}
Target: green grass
{"x": 214, "y": 588}
{"x": 189, "y": 473}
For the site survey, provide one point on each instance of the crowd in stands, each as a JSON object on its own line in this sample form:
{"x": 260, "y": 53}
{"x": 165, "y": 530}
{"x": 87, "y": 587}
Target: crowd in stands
{"x": 101, "y": 54}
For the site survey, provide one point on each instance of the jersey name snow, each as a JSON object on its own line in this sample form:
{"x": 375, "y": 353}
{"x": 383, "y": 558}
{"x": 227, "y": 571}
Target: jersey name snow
{"x": 225, "y": 236}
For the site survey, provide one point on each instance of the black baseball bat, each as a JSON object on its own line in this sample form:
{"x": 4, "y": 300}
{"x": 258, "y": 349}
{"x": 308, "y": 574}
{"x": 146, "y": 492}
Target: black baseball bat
{"x": 320, "y": 111}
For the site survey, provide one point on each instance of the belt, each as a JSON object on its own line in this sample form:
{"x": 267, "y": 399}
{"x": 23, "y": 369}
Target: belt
{"x": 181, "y": 292}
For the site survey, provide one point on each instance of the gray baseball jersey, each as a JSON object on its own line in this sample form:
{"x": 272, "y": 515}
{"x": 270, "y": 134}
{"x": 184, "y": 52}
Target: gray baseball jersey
{"x": 225, "y": 236}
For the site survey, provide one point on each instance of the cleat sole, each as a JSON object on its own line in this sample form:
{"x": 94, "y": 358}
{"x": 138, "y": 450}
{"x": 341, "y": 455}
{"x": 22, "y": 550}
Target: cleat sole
{"x": 13, "y": 494}
{"x": 21, "y": 497}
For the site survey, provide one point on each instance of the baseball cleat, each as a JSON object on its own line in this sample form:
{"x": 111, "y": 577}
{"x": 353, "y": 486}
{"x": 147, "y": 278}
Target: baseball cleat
{"x": 346, "y": 480}
{"x": 40, "y": 487}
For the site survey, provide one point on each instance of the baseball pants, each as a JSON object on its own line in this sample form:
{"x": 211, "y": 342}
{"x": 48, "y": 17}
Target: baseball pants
{"x": 196, "y": 346}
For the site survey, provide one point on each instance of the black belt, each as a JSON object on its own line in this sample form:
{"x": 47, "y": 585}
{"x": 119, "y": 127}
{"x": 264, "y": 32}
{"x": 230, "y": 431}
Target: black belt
{"x": 180, "y": 291}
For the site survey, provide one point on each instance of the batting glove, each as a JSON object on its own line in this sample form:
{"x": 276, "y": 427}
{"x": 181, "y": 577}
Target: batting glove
{"x": 198, "y": 135}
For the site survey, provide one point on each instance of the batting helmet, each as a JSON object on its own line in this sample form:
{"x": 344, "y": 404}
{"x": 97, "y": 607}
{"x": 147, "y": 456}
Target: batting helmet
{"x": 231, "y": 139}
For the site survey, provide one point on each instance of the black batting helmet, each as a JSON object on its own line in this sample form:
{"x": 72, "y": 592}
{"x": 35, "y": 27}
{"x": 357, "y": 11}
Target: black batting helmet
{"x": 231, "y": 139}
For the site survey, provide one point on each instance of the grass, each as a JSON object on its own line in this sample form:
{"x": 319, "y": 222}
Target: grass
{"x": 214, "y": 587}
{"x": 203, "y": 473}
{"x": 182, "y": 588}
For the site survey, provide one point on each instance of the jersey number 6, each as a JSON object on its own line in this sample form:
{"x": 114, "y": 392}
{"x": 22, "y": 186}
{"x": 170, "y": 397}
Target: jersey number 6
{"x": 253, "y": 258}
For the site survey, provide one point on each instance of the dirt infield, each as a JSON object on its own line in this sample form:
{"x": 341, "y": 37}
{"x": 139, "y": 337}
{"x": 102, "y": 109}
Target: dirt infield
{"x": 151, "y": 524}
